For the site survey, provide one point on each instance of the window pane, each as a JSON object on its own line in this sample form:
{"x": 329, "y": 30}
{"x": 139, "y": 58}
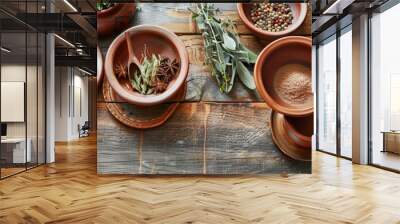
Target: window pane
{"x": 327, "y": 96}
{"x": 385, "y": 114}
{"x": 31, "y": 98}
{"x": 346, "y": 93}
{"x": 41, "y": 99}
{"x": 14, "y": 153}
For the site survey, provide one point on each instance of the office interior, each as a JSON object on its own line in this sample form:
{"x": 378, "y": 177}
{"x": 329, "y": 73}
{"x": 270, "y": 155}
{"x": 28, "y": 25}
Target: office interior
{"x": 47, "y": 81}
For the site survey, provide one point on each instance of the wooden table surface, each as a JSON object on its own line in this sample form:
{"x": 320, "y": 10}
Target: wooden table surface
{"x": 211, "y": 132}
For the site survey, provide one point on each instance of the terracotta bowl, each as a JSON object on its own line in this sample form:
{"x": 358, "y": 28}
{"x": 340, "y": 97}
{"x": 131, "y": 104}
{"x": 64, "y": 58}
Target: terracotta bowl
{"x": 283, "y": 76}
{"x": 299, "y": 11}
{"x": 156, "y": 40}
{"x": 293, "y": 141}
{"x": 114, "y": 19}
{"x": 100, "y": 72}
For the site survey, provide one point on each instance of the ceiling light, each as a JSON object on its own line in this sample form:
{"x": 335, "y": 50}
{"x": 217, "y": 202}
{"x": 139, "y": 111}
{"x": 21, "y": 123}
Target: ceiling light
{"x": 70, "y": 5}
{"x": 5, "y": 50}
{"x": 65, "y": 41}
{"x": 84, "y": 71}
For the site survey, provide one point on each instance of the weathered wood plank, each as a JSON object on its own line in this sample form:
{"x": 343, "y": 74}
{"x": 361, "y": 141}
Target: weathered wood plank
{"x": 200, "y": 138}
{"x": 116, "y": 148}
{"x": 177, "y": 18}
{"x": 239, "y": 141}
{"x": 201, "y": 84}
{"x": 176, "y": 147}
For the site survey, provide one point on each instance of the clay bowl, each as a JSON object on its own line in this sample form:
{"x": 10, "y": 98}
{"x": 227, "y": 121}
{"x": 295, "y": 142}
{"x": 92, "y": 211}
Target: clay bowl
{"x": 292, "y": 135}
{"x": 299, "y": 11}
{"x": 115, "y": 18}
{"x": 283, "y": 76}
{"x": 100, "y": 72}
{"x": 156, "y": 40}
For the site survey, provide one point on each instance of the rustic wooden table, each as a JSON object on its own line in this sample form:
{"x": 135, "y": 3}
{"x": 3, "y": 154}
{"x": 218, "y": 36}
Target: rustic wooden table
{"x": 210, "y": 132}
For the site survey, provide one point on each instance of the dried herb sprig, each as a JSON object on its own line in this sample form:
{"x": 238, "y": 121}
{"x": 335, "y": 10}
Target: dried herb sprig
{"x": 224, "y": 52}
{"x": 154, "y": 74}
{"x": 143, "y": 79}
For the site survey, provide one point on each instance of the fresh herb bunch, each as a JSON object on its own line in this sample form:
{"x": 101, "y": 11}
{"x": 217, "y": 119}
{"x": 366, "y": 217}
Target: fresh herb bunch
{"x": 224, "y": 52}
{"x": 103, "y": 4}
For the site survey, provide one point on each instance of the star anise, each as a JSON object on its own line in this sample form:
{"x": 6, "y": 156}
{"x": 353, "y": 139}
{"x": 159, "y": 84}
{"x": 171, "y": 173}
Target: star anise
{"x": 160, "y": 86}
{"x": 167, "y": 69}
{"x": 121, "y": 71}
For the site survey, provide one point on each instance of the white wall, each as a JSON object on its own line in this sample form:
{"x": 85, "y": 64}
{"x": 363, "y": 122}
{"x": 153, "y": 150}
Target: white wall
{"x": 16, "y": 73}
{"x": 33, "y": 126}
{"x": 70, "y": 83}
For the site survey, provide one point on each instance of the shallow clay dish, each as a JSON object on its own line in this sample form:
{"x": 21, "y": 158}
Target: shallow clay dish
{"x": 299, "y": 11}
{"x": 300, "y": 129}
{"x": 140, "y": 117}
{"x": 287, "y": 140}
{"x": 156, "y": 40}
{"x": 100, "y": 72}
{"x": 283, "y": 76}
{"x": 115, "y": 18}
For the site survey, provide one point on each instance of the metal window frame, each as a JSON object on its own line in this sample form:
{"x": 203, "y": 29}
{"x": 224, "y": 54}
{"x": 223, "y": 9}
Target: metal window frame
{"x": 339, "y": 32}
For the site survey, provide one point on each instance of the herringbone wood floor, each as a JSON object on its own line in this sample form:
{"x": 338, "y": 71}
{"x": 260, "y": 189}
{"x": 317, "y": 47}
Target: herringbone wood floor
{"x": 69, "y": 191}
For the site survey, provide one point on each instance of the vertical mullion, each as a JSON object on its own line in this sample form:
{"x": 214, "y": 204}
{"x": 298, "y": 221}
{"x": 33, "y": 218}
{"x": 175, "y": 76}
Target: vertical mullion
{"x": 37, "y": 90}
{"x": 338, "y": 95}
{"x": 369, "y": 79}
{"x": 73, "y": 92}
{"x": 26, "y": 87}
{"x": 46, "y": 3}
{"x": 317, "y": 96}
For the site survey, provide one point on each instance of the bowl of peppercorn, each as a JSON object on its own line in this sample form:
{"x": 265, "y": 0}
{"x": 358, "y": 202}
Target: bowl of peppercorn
{"x": 146, "y": 65}
{"x": 272, "y": 20}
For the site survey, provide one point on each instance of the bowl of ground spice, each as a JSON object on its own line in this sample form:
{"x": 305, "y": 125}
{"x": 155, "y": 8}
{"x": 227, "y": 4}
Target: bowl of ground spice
{"x": 283, "y": 76}
{"x": 272, "y": 20}
{"x": 146, "y": 65}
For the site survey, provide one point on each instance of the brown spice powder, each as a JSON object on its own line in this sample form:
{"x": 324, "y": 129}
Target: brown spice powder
{"x": 293, "y": 84}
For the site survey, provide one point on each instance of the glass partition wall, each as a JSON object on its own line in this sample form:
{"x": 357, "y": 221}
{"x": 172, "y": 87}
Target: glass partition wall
{"x": 334, "y": 85}
{"x": 22, "y": 78}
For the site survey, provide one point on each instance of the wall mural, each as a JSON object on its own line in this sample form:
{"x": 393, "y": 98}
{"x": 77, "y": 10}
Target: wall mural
{"x": 188, "y": 88}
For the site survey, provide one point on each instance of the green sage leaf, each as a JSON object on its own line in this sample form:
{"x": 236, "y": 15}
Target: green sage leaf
{"x": 245, "y": 75}
{"x": 229, "y": 43}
